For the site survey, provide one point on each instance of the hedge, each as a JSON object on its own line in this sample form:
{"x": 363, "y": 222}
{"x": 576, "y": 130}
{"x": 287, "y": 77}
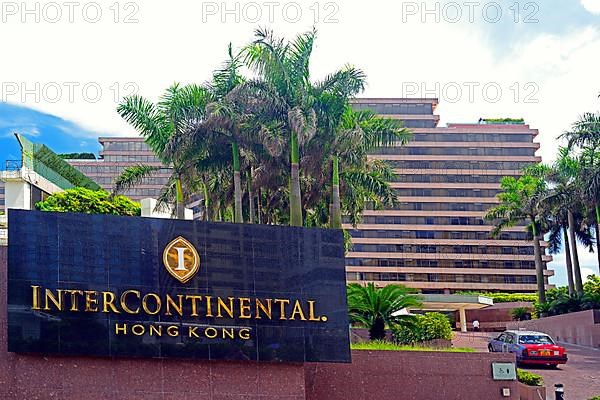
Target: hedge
{"x": 529, "y": 379}
{"x": 505, "y": 297}
{"x": 423, "y": 328}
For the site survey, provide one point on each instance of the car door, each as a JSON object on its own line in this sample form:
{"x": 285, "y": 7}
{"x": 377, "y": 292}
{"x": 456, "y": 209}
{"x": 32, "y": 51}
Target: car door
{"x": 509, "y": 343}
{"x": 508, "y": 340}
{"x": 498, "y": 342}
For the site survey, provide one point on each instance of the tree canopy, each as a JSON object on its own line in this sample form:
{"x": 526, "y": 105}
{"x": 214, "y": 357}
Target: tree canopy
{"x": 274, "y": 146}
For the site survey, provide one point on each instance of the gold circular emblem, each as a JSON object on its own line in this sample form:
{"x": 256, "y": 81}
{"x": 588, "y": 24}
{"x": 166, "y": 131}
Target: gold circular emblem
{"x": 181, "y": 259}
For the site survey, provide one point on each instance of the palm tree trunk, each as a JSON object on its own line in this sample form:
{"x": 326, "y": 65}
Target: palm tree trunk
{"x": 539, "y": 265}
{"x": 575, "y": 254}
{"x": 250, "y": 195}
{"x": 206, "y": 201}
{"x": 258, "y": 206}
{"x": 237, "y": 183}
{"x": 377, "y": 330}
{"x": 598, "y": 235}
{"x": 295, "y": 196}
{"x": 179, "y": 206}
{"x": 568, "y": 258}
{"x": 336, "y": 206}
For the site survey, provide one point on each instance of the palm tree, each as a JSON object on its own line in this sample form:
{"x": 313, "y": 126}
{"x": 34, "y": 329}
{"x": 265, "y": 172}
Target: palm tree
{"x": 377, "y": 308}
{"x": 559, "y": 239}
{"x": 163, "y": 126}
{"x": 589, "y": 179}
{"x": 520, "y": 203}
{"x": 358, "y": 134}
{"x": 284, "y": 80}
{"x": 564, "y": 203}
{"x": 224, "y": 117}
{"x": 585, "y": 135}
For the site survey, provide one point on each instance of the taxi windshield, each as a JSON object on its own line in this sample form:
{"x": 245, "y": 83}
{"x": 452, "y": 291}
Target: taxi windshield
{"x": 535, "y": 339}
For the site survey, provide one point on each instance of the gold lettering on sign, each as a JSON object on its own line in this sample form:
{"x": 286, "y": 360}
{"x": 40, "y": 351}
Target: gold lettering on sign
{"x": 109, "y": 299}
{"x": 297, "y": 311}
{"x": 173, "y": 331}
{"x": 245, "y": 308}
{"x": 210, "y": 333}
{"x": 155, "y": 330}
{"x": 265, "y": 309}
{"x": 156, "y": 303}
{"x": 221, "y": 305}
{"x": 194, "y": 299}
{"x": 91, "y": 301}
{"x": 120, "y": 329}
{"x": 138, "y": 330}
{"x": 35, "y": 301}
{"x": 56, "y": 300}
{"x": 244, "y": 333}
{"x": 311, "y": 311}
{"x": 177, "y": 306}
{"x": 74, "y": 298}
{"x": 209, "y": 306}
{"x": 282, "y": 303}
{"x": 174, "y": 305}
{"x": 124, "y": 305}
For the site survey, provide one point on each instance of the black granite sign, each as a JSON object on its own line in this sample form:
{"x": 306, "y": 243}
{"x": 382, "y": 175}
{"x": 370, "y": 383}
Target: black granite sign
{"x": 127, "y": 286}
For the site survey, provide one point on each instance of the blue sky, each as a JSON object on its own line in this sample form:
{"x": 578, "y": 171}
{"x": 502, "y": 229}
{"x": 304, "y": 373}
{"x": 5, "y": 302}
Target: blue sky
{"x": 66, "y": 78}
{"x": 59, "y": 134}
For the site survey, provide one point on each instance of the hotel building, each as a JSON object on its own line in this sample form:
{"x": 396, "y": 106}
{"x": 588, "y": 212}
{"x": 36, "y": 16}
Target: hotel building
{"x": 118, "y": 153}
{"x": 436, "y": 239}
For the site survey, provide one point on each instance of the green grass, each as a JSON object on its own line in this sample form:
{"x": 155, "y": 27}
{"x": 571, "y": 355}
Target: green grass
{"x": 387, "y": 346}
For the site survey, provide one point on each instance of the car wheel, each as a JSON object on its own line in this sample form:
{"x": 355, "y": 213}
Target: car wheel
{"x": 490, "y": 348}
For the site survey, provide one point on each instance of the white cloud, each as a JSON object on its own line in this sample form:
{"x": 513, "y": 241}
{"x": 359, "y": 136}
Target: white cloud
{"x": 592, "y": 6}
{"x": 587, "y": 260}
{"x": 585, "y": 272}
{"x": 171, "y": 42}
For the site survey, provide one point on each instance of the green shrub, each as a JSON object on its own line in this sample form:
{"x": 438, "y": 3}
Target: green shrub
{"x": 595, "y": 398}
{"x": 529, "y": 379}
{"x": 520, "y": 313}
{"x": 429, "y": 326}
{"x": 592, "y": 287}
{"x": 90, "y": 202}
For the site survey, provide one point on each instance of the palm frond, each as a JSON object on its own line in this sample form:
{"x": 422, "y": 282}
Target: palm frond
{"x": 132, "y": 176}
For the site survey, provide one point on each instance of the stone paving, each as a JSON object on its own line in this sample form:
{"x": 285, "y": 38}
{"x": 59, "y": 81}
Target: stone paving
{"x": 581, "y": 374}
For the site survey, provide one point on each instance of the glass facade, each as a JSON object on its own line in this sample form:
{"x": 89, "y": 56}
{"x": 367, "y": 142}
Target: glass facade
{"x": 116, "y": 155}
{"x": 490, "y": 137}
{"x": 436, "y": 232}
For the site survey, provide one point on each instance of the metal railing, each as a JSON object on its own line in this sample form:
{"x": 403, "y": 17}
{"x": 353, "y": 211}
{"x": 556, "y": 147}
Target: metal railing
{"x": 13, "y": 165}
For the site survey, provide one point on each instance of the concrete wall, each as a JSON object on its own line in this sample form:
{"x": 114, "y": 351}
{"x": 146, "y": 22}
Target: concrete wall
{"x": 372, "y": 375}
{"x": 409, "y": 375}
{"x": 494, "y": 318}
{"x": 582, "y": 328}
{"x": 17, "y": 195}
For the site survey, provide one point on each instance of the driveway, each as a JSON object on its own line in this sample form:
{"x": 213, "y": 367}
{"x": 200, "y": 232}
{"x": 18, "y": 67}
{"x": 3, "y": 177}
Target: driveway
{"x": 580, "y": 375}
